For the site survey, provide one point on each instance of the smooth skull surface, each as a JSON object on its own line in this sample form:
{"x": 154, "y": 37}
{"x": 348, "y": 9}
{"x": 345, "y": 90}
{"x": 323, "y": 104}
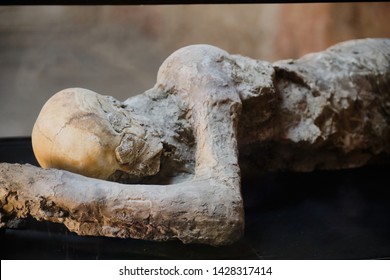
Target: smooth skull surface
{"x": 91, "y": 134}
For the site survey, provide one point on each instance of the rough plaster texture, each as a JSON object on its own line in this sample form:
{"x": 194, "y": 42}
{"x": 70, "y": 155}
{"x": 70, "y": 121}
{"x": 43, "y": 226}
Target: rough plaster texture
{"x": 180, "y": 145}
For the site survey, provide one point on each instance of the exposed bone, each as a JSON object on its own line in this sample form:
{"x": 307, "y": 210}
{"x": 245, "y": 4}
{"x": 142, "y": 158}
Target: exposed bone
{"x": 326, "y": 110}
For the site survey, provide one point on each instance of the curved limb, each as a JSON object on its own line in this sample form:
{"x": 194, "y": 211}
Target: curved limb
{"x": 199, "y": 211}
{"x": 208, "y": 209}
{"x": 196, "y": 74}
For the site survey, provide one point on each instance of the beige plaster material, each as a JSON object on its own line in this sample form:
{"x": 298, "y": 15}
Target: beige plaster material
{"x": 176, "y": 153}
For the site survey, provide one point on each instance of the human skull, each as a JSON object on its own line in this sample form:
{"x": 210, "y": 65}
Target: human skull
{"x": 87, "y": 133}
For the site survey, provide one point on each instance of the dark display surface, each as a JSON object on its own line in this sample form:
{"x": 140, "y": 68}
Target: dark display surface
{"x": 318, "y": 215}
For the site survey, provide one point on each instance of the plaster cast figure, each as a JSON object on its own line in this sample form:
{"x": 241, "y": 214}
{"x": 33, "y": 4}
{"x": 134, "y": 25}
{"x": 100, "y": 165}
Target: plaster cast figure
{"x": 167, "y": 162}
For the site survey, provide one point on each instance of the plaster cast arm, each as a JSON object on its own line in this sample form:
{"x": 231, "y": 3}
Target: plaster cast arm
{"x": 188, "y": 211}
{"x": 207, "y": 209}
{"x": 326, "y": 110}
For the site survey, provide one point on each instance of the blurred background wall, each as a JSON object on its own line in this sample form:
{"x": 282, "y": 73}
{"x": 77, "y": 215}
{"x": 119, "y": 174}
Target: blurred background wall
{"x": 116, "y": 50}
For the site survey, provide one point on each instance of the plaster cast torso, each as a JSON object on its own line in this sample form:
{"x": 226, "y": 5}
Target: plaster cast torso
{"x": 182, "y": 146}
{"x": 315, "y": 112}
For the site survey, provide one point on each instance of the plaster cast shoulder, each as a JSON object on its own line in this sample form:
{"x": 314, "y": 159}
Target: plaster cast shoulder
{"x": 216, "y": 115}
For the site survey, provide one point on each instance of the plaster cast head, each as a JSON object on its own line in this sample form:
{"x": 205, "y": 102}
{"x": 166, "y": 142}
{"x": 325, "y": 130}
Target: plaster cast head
{"x": 87, "y": 133}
